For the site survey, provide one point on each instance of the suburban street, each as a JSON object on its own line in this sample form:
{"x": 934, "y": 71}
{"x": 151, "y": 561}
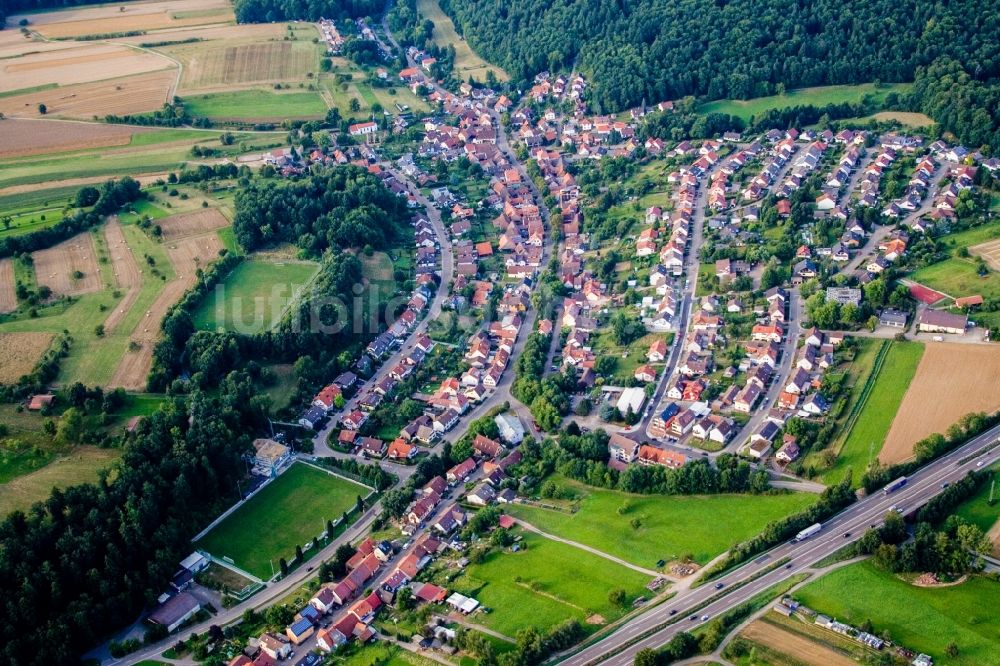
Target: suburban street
{"x": 647, "y": 630}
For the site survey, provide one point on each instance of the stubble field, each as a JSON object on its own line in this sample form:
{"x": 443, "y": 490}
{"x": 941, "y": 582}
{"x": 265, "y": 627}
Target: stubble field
{"x": 57, "y": 267}
{"x": 224, "y": 63}
{"x": 20, "y": 138}
{"x": 84, "y": 63}
{"x": 115, "y": 18}
{"x": 8, "y": 297}
{"x": 19, "y": 352}
{"x": 951, "y": 381}
{"x": 121, "y": 96}
{"x": 189, "y": 224}
{"x": 798, "y": 648}
{"x": 989, "y": 251}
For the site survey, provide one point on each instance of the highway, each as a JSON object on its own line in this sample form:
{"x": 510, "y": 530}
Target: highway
{"x": 620, "y": 647}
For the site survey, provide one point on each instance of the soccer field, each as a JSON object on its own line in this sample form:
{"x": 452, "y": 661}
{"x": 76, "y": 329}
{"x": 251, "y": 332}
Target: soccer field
{"x": 289, "y": 511}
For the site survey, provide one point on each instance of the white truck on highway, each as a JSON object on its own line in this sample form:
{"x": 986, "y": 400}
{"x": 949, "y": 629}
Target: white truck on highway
{"x": 807, "y": 532}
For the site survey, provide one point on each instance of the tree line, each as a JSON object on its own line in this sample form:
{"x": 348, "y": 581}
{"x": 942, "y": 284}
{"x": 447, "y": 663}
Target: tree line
{"x": 105, "y": 200}
{"x": 269, "y": 11}
{"x": 86, "y": 561}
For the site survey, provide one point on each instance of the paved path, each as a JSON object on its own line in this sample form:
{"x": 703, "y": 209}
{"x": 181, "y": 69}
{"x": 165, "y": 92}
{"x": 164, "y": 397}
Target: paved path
{"x": 589, "y": 549}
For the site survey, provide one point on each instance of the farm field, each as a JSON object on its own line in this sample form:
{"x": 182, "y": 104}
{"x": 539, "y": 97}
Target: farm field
{"x": 8, "y": 297}
{"x": 905, "y": 117}
{"x": 544, "y": 584}
{"x": 792, "y": 647}
{"x": 819, "y": 96}
{"x": 378, "y": 652}
{"x": 147, "y": 157}
{"x": 951, "y": 381}
{"x": 141, "y": 93}
{"x": 132, "y": 16}
{"x": 467, "y": 63}
{"x": 69, "y": 268}
{"x": 876, "y": 416}
{"x": 19, "y": 352}
{"x": 78, "y": 466}
{"x": 922, "y": 619}
{"x": 291, "y": 510}
{"x": 189, "y": 224}
{"x": 254, "y": 296}
{"x": 19, "y": 138}
{"x": 989, "y": 251}
{"x": 256, "y": 105}
{"x": 701, "y": 526}
{"x": 185, "y": 256}
{"x": 81, "y": 62}
{"x": 235, "y": 59}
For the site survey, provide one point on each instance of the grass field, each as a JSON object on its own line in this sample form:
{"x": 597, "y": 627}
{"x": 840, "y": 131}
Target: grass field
{"x": 256, "y": 105}
{"x": 148, "y": 153}
{"x": 467, "y": 63}
{"x": 922, "y": 619}
{"x": 77, "y": 466}
{"x": 254, "y": 296}
{"x": 977, "y": 509}
{"x": 819, "y": 96}
{"x": 543, "y": 584}
{"x": 379, "y": 653}
{"x": 958, "y": 277}
{"x": 868, "y": 434}
{"x": 701, "y": 526}
{"x": 291, "y": 510}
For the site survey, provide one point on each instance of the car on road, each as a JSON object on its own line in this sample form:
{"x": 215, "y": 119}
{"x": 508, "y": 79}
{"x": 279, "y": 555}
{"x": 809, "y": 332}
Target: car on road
{"x": 980, "y": 463}
{"x": 847, "y": 535}
{"x": 673, "y": 611}
{"x": 719, "y": 586}
{"x": 693, "y": 618}
{"x": 945, "y": 484}
{"x": 788, "y": 566}
{"x": 704, "y": 618}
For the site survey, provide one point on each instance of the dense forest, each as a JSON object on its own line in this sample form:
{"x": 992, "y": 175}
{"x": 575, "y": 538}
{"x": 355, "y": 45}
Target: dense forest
{"x": 86, "y": 561}
{"x": 260, "y": 11}
{"x": 655, "y": 50}
{"x": 339, "y": 208}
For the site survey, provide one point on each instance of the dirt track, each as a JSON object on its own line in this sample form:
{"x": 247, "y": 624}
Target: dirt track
{"x": 126, "y": 270}
{"x": 54, "y": 267}
{"x": 952, "y": 380}
{"x": 801, "y": 649}
{"x": 8, "y": 298}
{"x": 186, "y": 255}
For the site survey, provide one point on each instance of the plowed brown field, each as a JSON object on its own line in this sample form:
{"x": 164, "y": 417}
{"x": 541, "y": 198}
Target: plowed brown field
{"x": 54, "y": 266}
{"x": 952, "y": 380}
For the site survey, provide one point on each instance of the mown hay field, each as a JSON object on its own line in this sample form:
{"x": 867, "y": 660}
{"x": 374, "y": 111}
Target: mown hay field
{"x": 69, "y": 268}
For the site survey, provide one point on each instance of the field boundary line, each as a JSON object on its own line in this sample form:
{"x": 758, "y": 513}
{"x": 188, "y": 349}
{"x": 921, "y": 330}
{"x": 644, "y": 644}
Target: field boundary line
{"x": 232, "y": 509}
{"x": 339, "y": 476}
